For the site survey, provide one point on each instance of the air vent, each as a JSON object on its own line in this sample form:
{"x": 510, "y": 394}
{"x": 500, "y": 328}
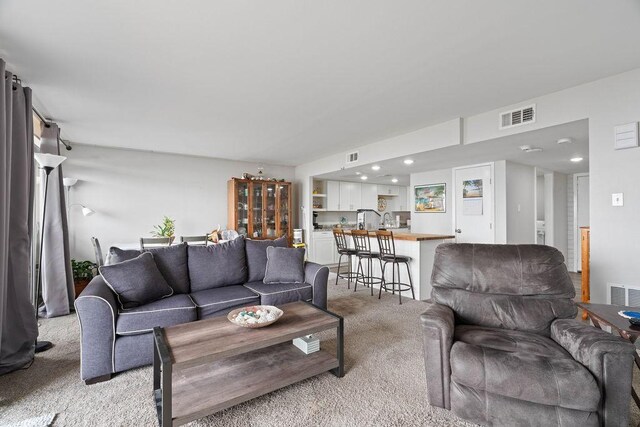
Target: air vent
{"x": 623, "y": 295}
{"x": 519, "y": 117}
{"x": 352, "y": 157}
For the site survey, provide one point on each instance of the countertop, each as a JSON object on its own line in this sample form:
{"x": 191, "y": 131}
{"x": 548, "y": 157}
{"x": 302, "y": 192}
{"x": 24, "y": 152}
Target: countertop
{"x": 414, "y": 237}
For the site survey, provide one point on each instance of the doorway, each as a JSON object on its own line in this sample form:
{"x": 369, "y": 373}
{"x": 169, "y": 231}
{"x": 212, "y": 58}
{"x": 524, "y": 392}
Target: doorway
{"x": 581, "y": 213}
{"x": 474, "y": 204}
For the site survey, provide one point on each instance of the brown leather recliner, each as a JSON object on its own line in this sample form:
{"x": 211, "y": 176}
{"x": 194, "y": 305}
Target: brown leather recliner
{"x": 502, "y": 345}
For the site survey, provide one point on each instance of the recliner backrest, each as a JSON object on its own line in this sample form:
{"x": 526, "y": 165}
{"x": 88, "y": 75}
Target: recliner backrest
{"x": 519, "y": 287}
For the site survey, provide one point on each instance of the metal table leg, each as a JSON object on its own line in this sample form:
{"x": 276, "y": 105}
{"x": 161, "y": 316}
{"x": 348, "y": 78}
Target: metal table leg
{"x": 162, "y": 379}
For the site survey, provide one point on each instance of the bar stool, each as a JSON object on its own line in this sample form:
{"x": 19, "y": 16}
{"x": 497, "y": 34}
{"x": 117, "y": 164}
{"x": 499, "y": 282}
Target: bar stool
{"x": 344, "y": 250}
{"x": 363, "y": 252}
{"x": 388, "y": 255}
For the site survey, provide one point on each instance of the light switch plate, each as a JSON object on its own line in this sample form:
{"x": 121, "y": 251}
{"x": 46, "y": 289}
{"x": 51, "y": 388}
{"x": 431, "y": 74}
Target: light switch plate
{"x": 617, "y": 199}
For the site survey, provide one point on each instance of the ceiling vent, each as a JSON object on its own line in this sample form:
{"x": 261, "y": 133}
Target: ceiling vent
{"x": 519, "y": 117}
{"x": 352, "y": 157}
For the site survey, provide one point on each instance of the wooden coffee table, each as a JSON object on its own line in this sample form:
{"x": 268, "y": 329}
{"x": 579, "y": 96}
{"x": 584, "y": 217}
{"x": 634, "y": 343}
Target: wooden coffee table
{"x": 206, "y": 366}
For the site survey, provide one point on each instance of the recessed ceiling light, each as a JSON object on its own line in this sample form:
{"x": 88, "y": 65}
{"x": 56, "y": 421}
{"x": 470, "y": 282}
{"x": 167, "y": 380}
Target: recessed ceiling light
{"x": 564, "y": 141}
{"x": 358, "y": 173}
{"x": 576, "y": 159}
{"x": 375, "y": 167}
{"x": 363, "y": 177}
{"x": 394, "y": 180}
{"x": 408, "y": 161}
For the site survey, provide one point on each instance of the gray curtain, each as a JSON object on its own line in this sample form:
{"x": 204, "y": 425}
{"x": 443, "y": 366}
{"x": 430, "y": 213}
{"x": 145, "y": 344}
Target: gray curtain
{"x": 18, "y": 327}
{"x": 57, "y": 278}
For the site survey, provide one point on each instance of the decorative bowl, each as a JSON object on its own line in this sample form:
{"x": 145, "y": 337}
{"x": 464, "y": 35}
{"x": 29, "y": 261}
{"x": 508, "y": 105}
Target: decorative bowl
{"x": 632, "y": 316}
{"x": 255, "y": 316}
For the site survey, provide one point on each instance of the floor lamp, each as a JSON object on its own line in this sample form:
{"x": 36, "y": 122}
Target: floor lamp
{"x": 47, "y": 162}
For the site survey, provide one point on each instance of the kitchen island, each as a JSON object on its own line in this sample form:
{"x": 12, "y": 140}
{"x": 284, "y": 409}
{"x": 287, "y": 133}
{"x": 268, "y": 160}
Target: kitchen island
{"x": 421, "y": 248}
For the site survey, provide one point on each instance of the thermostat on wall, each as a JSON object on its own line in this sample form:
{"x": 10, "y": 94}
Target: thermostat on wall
{"x": 626, "y": 136}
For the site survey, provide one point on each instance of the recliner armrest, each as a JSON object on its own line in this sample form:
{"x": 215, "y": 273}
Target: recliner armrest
{"x": 610, "y": 360}
{"x": 97, "y": 312}
{"x": 317, "y": 276}
{"x": 438, "y": 325}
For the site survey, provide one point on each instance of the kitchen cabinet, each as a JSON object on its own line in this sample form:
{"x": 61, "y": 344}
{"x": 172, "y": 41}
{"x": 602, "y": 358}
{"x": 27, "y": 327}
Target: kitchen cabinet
{"x": 324, "y": 248}
{"x": 401, "y": 202}
{"x": 350, "y": 196}
{"x": 333, "y": 196}
{"x": 388, "y": 190}
{"x": 369, "y": 196}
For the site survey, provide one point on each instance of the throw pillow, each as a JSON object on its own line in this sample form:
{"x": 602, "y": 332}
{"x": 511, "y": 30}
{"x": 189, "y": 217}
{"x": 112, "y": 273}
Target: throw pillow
{"x": 136, "y": 281}
{"x": 117, "y": 255}
{"x": 217, "y": 265}
{"x": 172, "y": 263}
{"x": 284, "y": 265}
{"x": 257, "y": 256}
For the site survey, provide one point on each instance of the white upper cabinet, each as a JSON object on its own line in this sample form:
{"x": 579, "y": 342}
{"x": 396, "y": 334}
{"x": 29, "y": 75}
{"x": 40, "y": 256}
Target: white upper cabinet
{"x": 388, "y": 190}
{"x": 402, "y": 202}
{"x": 350, "y": 196}
{"x": 369, "y": 196}
{"x": 333, "y": 196}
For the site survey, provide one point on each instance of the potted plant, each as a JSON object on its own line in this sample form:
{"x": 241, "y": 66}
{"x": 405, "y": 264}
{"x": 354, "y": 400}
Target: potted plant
{"x": 82, "y": 274}
{"x": 166, "y": 228}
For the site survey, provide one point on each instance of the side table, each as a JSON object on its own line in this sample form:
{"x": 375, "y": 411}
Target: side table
{"x": 607, "y": 315}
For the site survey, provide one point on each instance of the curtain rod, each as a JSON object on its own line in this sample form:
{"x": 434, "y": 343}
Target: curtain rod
{"x": 46, "y": 122}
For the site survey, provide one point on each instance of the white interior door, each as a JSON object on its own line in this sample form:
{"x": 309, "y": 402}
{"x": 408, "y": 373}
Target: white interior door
{"x": 582, "y": 214}
{"x": 473, "y": 194}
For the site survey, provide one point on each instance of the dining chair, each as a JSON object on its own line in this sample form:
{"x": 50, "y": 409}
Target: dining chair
{"x": 97, "y": 251}
{"x": 195, "y": 240}
{"x": 153, "y": 242}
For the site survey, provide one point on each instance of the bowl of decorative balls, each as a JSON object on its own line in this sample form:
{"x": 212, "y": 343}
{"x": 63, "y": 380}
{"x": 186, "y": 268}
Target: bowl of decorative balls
{"x": 256, "y": 316}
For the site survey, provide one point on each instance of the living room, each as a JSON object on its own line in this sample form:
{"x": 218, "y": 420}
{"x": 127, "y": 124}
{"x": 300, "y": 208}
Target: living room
{"x": 227, "y": 122}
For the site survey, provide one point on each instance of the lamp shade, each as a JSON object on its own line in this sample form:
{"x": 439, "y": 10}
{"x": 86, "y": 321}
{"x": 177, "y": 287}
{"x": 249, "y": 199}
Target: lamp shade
{"x": 69, "y": 182}
{"x": 87, "y": 212}
{"x": 49, "y": 160}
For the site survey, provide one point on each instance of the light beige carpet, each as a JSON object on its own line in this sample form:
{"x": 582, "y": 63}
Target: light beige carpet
{"x": 384, "y": 383}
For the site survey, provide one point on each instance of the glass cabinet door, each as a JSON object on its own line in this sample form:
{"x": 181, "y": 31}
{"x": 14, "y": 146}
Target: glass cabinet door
{"x": 270, "y": 210}
{"x": 242, "y": 219}
{"x": 256, "y": 210}
{"x": 284, "y": 205}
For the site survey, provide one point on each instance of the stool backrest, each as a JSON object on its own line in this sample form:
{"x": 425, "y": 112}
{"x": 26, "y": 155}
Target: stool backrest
{"x": 195, "y": 240}
{"x": 386, "y": 243}
{"x": 341, "y": 238}
{"x": 97, "y": 251}
{"x": 153, "y": 242}
{"x": 361, "y": 240}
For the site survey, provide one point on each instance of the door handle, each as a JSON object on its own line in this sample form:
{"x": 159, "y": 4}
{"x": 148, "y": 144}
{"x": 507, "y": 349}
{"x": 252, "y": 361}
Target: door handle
{"x": 458, "y": 230}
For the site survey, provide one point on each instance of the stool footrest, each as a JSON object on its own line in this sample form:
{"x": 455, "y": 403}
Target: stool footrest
{"x": 402, "y": 287}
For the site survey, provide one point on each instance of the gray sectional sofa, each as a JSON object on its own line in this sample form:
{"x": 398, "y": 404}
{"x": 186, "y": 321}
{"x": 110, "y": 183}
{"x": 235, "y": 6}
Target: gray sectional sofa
{"x": 207, "y": 281}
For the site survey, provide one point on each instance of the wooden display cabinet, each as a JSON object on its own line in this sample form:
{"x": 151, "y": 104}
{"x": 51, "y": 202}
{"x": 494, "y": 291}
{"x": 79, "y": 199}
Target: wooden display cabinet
{"x": 260, "y": 209}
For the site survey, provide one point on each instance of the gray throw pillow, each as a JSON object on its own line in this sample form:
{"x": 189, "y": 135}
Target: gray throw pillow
{"x": 117, "y": 255}
{"x": 284, "y": 265}
{"x": 218, "y": 265}
{"x": 136, "y": 281}
{"x": 172, "y": 263}
{"x": 257, "y": 256}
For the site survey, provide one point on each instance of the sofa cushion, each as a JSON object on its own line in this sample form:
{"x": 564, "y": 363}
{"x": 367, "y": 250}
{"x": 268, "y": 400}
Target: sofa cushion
{"x": 218, "y": 265}
{"x": 281, "y": 293}
{"x": 524, "y": 373}
{"x": 117, "y": 255}
{"x": 257, "y": 256}
{"x": 172, "y": 263}
{"x": 170, "y": 311}
{"x": 136, "y": 281}
{"x": 211, "y": 302}
{"x": 284, "y": 265}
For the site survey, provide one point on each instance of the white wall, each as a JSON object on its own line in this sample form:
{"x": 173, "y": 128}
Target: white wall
{"x": 570, "y": 224}
{"x": 130, "y": 191}
{"x": 427, "y": 222}
{"x": 520, "y": 198}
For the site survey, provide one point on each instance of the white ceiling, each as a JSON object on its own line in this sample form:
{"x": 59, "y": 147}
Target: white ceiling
{"x": 554, "y": 157}
{"x": 287, "y": 81}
